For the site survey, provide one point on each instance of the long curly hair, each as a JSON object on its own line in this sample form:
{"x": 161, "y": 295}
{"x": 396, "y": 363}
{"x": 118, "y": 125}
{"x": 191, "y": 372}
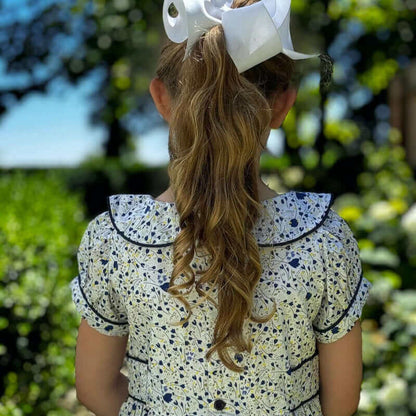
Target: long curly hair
{"x": 219, "y": 120}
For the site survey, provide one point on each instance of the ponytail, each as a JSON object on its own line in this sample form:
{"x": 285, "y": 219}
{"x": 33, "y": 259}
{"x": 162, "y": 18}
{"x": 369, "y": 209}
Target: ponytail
{"x": 219, "y": 124}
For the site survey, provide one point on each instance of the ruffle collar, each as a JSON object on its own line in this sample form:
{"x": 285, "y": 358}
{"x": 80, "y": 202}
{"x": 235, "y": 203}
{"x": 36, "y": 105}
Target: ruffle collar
{"x": 142, "y": 220}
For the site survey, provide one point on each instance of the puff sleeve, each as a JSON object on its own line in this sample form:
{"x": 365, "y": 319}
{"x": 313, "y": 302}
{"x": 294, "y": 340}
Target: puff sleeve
{"x": 97, "y": 290}
{"x": 345, "y": 288}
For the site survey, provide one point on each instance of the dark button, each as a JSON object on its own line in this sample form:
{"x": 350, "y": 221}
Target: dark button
{"x": 219, "y": 404}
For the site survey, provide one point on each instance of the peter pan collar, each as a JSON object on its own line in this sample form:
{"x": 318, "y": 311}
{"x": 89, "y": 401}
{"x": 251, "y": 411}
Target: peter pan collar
{"x": 142, "y": 220}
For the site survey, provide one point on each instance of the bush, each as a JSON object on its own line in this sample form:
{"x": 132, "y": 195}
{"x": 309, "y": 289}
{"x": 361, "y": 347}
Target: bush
{"x": 41, "y": 224}
{"x": 381, "y": 211}
{"x": 382, "y": 216}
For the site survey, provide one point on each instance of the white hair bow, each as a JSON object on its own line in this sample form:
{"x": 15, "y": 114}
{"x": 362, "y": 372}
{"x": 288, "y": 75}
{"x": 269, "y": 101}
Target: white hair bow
{"x": 253, "y": 33}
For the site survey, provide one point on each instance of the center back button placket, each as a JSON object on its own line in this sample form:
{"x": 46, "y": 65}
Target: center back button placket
{"x": 219, "y": 404}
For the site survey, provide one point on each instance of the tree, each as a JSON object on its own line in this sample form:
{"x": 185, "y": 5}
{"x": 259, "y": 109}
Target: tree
{"x": 119, "y": 41}
{"x": 370, "y": 42}
{"x": 116, "y": 40}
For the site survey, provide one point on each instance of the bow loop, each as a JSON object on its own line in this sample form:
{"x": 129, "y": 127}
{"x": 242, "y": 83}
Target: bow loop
{"x": 252, "y": 33}
{"x": 195, "y": 17}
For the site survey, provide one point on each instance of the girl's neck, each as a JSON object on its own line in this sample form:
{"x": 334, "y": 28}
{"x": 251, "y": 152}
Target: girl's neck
{"x": 264, "y": 193}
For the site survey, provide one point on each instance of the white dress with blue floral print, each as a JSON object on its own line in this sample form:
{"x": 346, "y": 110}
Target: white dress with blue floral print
{"x": 311, "y": 269}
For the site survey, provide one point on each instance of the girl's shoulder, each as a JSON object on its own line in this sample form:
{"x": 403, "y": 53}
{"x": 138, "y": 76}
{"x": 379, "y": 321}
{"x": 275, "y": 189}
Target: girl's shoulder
{"x": 141, "y": 219}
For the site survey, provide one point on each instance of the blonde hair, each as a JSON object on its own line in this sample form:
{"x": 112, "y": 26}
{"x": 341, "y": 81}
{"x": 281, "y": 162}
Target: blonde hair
{"x": 218, "y": 121}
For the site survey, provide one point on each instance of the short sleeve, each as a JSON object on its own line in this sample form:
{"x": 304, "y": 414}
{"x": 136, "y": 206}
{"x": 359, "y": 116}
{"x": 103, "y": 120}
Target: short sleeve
{"x": 97, "y": 291}
{"x": 346, "y": 290}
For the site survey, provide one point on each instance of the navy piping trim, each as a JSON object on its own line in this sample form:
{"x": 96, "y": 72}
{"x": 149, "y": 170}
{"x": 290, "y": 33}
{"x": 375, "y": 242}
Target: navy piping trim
{"x": 94, "y": 310}
{"x": 289, "y": 371}
{"x": 305, "y": 401}
{"x": 124, "y": 235}
{"x": 303, "y": 362}
{"x": 281, "y": 243}
{"x": 137, "y": 400}
{"x": 331, "y": 201}
{"x": 346, "y": 310}
{"x": 136, "y": 358}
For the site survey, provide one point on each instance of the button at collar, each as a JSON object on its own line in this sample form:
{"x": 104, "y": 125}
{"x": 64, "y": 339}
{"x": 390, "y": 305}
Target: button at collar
{"x": 219, "y": 404}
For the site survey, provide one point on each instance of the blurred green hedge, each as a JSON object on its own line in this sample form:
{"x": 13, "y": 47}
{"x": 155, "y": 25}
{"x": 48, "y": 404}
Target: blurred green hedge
{"x": 98, "y": 177}
{"x": 40, "y": 228}
{"x": 44, "y": 214}
{"x": 381, "y": 212}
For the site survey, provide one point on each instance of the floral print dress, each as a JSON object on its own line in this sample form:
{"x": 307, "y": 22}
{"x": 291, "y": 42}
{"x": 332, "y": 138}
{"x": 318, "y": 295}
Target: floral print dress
{"x": 311, "y": 269}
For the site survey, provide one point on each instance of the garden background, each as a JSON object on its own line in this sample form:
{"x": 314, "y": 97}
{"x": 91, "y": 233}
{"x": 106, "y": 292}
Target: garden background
{"x": 343, "y": 141}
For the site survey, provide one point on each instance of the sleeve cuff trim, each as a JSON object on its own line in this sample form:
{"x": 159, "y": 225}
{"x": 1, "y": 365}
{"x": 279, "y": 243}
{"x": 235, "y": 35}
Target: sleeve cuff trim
{"x": 346, "y": 310}
{"x": 93, "y": 309}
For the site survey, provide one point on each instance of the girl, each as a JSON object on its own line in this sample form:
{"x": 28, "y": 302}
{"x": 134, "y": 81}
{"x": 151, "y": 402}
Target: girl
{"x": 223, "y": 297}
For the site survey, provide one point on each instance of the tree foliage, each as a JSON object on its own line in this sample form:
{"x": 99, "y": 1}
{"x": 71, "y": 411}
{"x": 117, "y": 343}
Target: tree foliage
{"x": 118, "y": 41}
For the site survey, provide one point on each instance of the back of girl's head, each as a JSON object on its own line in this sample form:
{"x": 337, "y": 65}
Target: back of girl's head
{"x": 219, "y": 124}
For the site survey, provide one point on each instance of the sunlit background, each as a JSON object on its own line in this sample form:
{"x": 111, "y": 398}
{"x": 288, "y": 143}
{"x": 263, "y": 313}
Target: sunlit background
{"x": 77, "y": 124}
